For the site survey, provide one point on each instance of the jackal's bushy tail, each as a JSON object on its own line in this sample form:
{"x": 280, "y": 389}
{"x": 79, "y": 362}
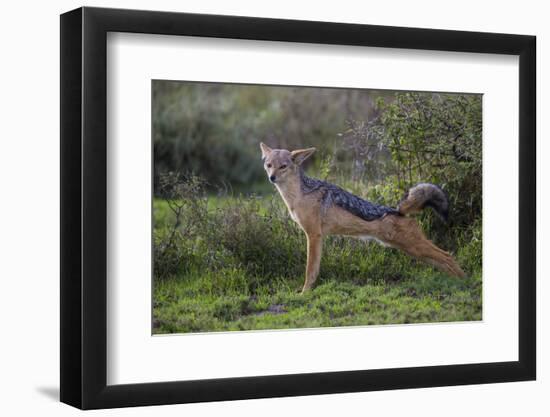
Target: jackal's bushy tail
{"x": 425, "y": 195}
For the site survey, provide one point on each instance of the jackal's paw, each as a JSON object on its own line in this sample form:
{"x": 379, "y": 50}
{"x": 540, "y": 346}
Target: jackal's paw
{"x": 305, "y": 289}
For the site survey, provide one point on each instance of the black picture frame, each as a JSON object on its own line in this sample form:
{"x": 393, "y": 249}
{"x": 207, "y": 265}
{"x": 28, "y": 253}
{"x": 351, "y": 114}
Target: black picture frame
{"x": 84, "y": 207}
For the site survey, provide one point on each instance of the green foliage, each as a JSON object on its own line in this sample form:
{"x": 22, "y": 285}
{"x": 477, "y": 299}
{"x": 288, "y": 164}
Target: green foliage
{"x": 205, "y": 130}
{"x": 185, "y": 201}
{"x": 431, "y": 138}
{"x": 470, "y": 248}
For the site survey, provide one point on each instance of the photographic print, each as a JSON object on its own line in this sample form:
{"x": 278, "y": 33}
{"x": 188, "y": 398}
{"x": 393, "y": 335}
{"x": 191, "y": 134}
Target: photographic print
{"x": 331, "y": 200}
{"x": 288, "y": 207}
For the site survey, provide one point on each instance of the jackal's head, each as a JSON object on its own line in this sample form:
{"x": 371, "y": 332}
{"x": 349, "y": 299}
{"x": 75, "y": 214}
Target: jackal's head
{"x": 282, "y": 165}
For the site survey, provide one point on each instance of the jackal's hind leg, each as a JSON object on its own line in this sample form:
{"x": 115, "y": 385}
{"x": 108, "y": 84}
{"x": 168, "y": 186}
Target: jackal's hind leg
{"x": 430, "y": 253}
{"x": 412, "y": 240}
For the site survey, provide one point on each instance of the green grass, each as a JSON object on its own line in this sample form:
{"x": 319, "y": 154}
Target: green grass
{"x": 202, "y": 303}
{"x": 241, "y": 266}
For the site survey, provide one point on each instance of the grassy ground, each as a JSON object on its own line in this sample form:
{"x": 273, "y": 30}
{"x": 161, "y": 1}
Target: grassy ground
{"x": 242, "y": 270}
{"x": 197, "y": 305}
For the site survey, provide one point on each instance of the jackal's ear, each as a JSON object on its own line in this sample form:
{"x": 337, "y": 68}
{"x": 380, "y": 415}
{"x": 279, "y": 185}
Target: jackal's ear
{"x": 300, "y": 155}
{"x": 266, "y": 150}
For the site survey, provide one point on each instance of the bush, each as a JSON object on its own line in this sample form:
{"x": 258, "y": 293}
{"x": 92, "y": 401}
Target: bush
{"x": 422, "y": 137}
{"x": 185, "y": 215}
{"x": 261, "y": 237}
{"x": 470, "y": 249}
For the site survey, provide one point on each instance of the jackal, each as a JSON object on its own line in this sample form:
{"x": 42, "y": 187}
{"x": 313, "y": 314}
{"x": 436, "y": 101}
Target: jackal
{"x": 321, "y": 209}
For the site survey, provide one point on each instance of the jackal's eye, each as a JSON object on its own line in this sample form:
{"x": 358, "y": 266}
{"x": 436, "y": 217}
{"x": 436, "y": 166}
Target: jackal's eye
{"x": 268, "y": 165}
{"x": 283, "y": 166}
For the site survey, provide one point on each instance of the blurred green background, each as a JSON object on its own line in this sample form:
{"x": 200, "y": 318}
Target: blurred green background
{"x": 214, "y": 130}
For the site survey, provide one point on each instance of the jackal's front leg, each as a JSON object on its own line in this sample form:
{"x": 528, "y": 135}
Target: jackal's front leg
{"x": 314, "y": 248}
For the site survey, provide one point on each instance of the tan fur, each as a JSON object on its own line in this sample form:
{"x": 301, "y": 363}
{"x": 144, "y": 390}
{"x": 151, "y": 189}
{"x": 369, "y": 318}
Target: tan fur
{"x": 305, "y": 209}
{"x": 412, "y": 205}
